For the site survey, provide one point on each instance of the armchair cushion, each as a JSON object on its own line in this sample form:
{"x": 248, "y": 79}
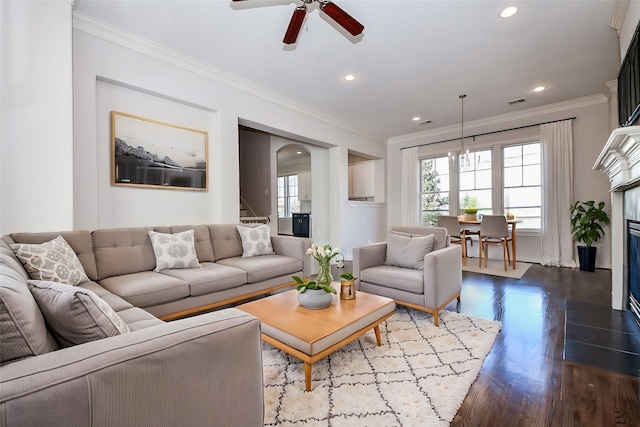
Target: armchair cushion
{"x": 404, "y": 279}
{"x": 408, "y": 252}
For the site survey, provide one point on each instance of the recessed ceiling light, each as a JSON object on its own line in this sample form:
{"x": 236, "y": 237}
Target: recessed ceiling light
{"x": 350, "y": 77}
{"x": 416, "y": 119}
{"x": 539, "y": 88}
{"x": 508, "y": 12}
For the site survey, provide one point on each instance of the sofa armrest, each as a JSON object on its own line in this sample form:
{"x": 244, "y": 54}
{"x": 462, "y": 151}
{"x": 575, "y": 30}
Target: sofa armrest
{"x": 368, "y": 256}
{"x": 442, "y": 275}
{"x": 203, "y": 370}
{"x": 295, "y": 247}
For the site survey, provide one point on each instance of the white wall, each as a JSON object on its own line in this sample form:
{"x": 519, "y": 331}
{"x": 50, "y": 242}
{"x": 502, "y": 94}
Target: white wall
{"x": 36, "y": 137}
{"x": 159, "y": 83}
{"x": 590, "y": 132}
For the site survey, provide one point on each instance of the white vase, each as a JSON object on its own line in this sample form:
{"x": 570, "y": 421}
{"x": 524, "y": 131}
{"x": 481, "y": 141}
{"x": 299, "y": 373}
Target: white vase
{"x": 315, "y": 299}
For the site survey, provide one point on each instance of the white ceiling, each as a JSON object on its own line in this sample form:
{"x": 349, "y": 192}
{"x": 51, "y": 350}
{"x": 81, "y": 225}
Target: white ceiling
{"x": 414, "y": 57}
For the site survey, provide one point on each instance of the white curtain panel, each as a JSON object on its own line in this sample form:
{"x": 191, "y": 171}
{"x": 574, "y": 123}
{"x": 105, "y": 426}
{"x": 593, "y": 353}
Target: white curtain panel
{"x": 410, "y": 214}
{"x": 557, "y": 184}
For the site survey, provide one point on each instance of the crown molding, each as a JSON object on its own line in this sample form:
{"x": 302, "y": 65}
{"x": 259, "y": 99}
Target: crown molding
{"x": 530, "y": 113}
{"x": 89, "y": 25}
{"x": 619, "y": 12}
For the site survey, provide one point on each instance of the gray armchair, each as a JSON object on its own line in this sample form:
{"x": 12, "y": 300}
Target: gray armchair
{"x": 429, "y": 289}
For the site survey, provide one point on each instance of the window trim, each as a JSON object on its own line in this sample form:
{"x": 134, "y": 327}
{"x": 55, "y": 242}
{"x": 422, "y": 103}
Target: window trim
{"x": 497, "y": 172}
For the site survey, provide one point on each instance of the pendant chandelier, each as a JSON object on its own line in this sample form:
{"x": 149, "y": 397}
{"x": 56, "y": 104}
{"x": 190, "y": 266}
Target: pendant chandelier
{"x": 463, "y": 158}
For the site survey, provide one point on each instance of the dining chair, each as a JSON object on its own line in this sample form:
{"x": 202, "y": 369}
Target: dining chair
{"x": 494, "y": 230}
{"x": 456, "y": 234}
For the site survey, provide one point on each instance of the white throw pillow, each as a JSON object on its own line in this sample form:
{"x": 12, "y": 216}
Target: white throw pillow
{"x": 408, "y": 252}
{"x": 255, "y": 240}
{"x": 75, "y": 315}
{"x": 176, "y": 250}
{"x": 54, "y": 261}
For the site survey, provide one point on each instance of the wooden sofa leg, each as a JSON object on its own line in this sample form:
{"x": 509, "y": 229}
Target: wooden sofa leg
{"x": 435, "y": 319}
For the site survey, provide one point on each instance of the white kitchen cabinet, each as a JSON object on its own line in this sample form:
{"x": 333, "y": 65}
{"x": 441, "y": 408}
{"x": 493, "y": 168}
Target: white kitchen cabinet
{"x": 304, "y": 185}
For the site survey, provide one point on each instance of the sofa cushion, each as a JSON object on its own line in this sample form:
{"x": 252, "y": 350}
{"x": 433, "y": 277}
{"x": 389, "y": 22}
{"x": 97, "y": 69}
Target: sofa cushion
{"x": 79, "y": 240}
{"x": 404, "y": 279}
{"x": 110, "y": 298}
{"x": 212, "y": 277}
{"x": 75, "y": 315}
{"x": 255, "y": 240}
{"x": 146, "y": 288}
{"x": 174, "y": 250}
{"x": 264, "y": 267}
{"x": 23, "y": 332}
{"x": 121, "y": 251}
{"x": 54, "y": 260}
{"x": 137, "y": 318}
{"x": 408, "y": 252}
{"x": 225, "y": 240}
{"x": 204, "y": 250}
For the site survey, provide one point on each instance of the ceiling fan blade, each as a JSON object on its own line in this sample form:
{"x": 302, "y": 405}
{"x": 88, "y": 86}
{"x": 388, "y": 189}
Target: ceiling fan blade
{"x": 341, "y": 17}
{"x": 295, "y": 25}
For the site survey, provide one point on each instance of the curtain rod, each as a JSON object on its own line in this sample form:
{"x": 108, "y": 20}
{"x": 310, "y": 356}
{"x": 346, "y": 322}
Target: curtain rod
{"x": 489, "y": 133}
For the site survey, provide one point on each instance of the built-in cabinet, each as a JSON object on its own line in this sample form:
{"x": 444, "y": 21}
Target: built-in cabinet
{"x": 304, "y": 185}
{"x": 362, "y": 180}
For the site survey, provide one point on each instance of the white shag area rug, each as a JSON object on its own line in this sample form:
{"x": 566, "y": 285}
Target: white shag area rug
{"x": 418, "y": 377}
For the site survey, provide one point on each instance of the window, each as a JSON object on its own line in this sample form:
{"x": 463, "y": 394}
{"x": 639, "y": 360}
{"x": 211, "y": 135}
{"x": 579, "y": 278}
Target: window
{"x": 475, "y": 181}
{"x": 522, "y": 177}
{"x": 434, "y": 178}
{"x": 288, "y": 202}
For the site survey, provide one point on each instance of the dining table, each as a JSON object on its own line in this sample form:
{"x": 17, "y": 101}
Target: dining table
{"x": 512, "y": 222}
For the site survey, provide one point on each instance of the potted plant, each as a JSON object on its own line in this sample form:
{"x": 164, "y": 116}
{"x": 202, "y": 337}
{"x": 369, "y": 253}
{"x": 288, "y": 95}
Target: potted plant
{"x": 470, "y": 214}
{"x": 347, "y": 286}
{"x": 586, "y": 218}
{"x": 313, "y": 295}
{"x": 316, "y": 294}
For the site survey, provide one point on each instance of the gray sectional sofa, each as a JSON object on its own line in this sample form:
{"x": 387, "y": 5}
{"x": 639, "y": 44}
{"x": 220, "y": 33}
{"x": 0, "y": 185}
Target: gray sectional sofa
{"x": 198, "y": 370}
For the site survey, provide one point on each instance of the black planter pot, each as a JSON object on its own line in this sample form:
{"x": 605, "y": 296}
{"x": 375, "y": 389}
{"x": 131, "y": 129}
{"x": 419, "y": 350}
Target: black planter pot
{"x": 587, "y": 258}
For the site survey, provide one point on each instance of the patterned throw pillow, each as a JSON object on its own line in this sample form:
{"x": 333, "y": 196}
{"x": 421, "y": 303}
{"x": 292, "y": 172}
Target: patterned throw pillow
{"x": 255, "y": 240}
{"x": 75, "y": 315}
{"x": 176, "y": 250}
{"x": 54, "y": 261}
{"x": 408, "y": 252}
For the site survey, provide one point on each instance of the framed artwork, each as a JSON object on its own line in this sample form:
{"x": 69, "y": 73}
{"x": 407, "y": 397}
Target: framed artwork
{"x": 149, "y": 153}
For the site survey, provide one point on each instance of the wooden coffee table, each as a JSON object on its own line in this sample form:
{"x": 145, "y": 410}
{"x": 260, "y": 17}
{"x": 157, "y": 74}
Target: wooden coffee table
{"x": 311, "y": 335}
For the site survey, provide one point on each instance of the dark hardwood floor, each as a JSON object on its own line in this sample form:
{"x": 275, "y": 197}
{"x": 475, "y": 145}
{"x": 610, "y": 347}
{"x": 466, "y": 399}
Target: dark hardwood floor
{"x": 524, "y": 380}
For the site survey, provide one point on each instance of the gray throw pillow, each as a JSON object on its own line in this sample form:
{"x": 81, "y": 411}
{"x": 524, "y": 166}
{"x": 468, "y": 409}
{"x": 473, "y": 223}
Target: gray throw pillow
{"x": 408, "y": 252}
{"x": 75, "y": 315}
{"x": 176, "y": 250}
{"x": 54, "y": 260}
{"x": 255, "y": 240}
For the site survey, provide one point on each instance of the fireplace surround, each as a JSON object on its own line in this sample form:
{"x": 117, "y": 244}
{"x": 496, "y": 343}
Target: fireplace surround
{"x": 620, "y": 161}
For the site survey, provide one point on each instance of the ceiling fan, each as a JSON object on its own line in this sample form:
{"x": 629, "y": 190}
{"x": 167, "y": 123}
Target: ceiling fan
{"x": 341, "y": 17}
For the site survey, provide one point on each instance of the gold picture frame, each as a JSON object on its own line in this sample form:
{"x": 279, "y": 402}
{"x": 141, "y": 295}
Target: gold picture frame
{"x": 153, "y": 154}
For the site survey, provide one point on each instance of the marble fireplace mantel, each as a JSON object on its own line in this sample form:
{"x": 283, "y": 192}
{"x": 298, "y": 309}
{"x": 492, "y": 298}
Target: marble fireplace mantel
{"x": 620, "y": 161}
